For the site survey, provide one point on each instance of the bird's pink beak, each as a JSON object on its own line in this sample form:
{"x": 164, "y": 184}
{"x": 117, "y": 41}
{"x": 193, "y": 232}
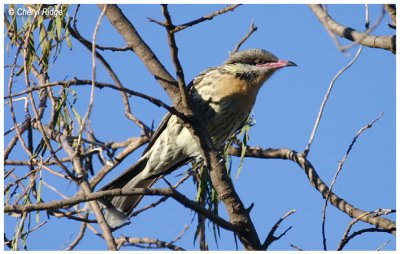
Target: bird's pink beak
{"x": 279, "y": 64}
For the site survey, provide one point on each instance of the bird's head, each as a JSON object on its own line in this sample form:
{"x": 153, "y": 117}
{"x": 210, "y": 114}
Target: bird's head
{"x": 254, "y": 65}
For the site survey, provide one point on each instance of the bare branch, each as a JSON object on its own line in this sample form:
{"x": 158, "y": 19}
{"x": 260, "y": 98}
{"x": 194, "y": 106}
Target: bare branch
{"x": 161, "y": 200}
{"x": 271, "y": 238}
{"x": 296, "y": 247}
{"x": 368, "y": 29}
{"x": 340, "y": 166}
{"x": 85, "y": 186}
{"x": 142, "y": 50}
{"x": 149, "y": 242}
{"x": 204, "y": 18}
{"x": 80, "y": 235}
{"x": 317, "y": 183}
{"x": 113, "y": 49}
{"x": 391, "y": 10}
{"x": 128, "y": 113}
{"x": 245, "y": 38}
{"x": 133, "y": 146}
{"x": 359, "y": 232}
{"x": 383, "y": 42}
{"x": 325, "y": 100}
{"x": 186, "y": 102}
{"x": 345, "y": 239}
{"x": 85, "y": 197}
{"x": 85, "y": 82}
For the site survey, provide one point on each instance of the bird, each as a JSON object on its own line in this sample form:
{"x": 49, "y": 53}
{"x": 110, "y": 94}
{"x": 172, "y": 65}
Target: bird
{"x": 224, "y": 97}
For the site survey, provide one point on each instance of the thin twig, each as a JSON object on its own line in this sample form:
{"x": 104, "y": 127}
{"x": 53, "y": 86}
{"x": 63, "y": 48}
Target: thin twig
{"x": 133, "y": 146}
{"x": 86, "y": 117}
{"x": 339, "y": 169}
{"x": 175, "y": 59}
{"x": 346, "y": 238}
{"x": 179, "y": 236}
{"x": 296, "y": 247}
{"x": 80, "y": 235}
{"x": 245, "y": 38}
{"x": 128, "y": 113}
{"x": 161, "y": 200}
{"x": 380, "y": 247}
{"x": 271, "y": 238}
{"x": 114, "y": 49}
{"x": 85, "y": 82}
{"x": 210, "y": 16}
{"x": 325, "y": 100}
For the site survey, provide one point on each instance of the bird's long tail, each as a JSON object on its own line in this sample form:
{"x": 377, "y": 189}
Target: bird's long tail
{"x": 118, "y": 208}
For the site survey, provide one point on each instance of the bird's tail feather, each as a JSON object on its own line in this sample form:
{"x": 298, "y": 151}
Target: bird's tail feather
{"x": 118, "y": 208}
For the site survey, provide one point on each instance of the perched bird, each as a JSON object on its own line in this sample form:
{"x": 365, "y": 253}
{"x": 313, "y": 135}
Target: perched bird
{"x": 224, "y": 97}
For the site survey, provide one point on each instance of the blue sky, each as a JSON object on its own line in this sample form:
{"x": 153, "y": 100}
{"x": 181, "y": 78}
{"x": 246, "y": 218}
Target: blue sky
{"x": 285, "y": 113}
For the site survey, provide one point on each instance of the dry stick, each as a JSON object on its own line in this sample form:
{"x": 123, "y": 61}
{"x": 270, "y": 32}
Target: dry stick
{"x": 271, "y": 238}
{"x": 316, "y": 182}
{"x": 296, "y": 247}
{"x": 391, "y": 10}
{"x": 208, "y": 17}
{"x": 38, "y": 122}
{"x": 179, "y": 236}
{"x": 340, "y": 166}
{"x": 380, "y": 247}
{"x": 186, "y": 102}
{"x": 175, "y": 29}
{"x": 147, "y": 241}
{"x": 17, "y": 181}
{"x": 345, "y": 239}
{"x": 141, "y": 49}
{"x": 86, "y": 117}
{"x": 84, "y": 82}
{"x": 28, "y": 149}
{"x": 10, "y": 83}
{"x": 35, "y": 228}
{"x": 128, "y": 113}
{"x": 362, "y": 231}
{"x": 245, "y": 38}
{"x": 85, "y": 197}
{"x": 161, "y": 200}
{"x": 345, "y": 157}
{"x": 133, "y": 146}
{"x": 84, "y": 184}
{"x": 325, "y": 100}
{"x": 383, "y": 42}
{"x": 85, "y": 187}
{"x": 368, "y": 30}
{"x": 80, "y": 235}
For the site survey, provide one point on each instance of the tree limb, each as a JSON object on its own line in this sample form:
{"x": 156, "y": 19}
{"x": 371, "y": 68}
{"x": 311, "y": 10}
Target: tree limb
{"x": 383, "y": 42}
{"x": 317, "y": 183}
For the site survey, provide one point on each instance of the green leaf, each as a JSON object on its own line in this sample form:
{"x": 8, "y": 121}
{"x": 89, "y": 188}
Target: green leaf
{"x": 39, "y": 195}
{"x": 58, "y": 23}
{"x": 68, "y": 37}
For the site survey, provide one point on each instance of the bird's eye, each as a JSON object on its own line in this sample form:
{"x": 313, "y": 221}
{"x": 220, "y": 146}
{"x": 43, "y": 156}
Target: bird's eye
{"x": 258, "y": 61}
